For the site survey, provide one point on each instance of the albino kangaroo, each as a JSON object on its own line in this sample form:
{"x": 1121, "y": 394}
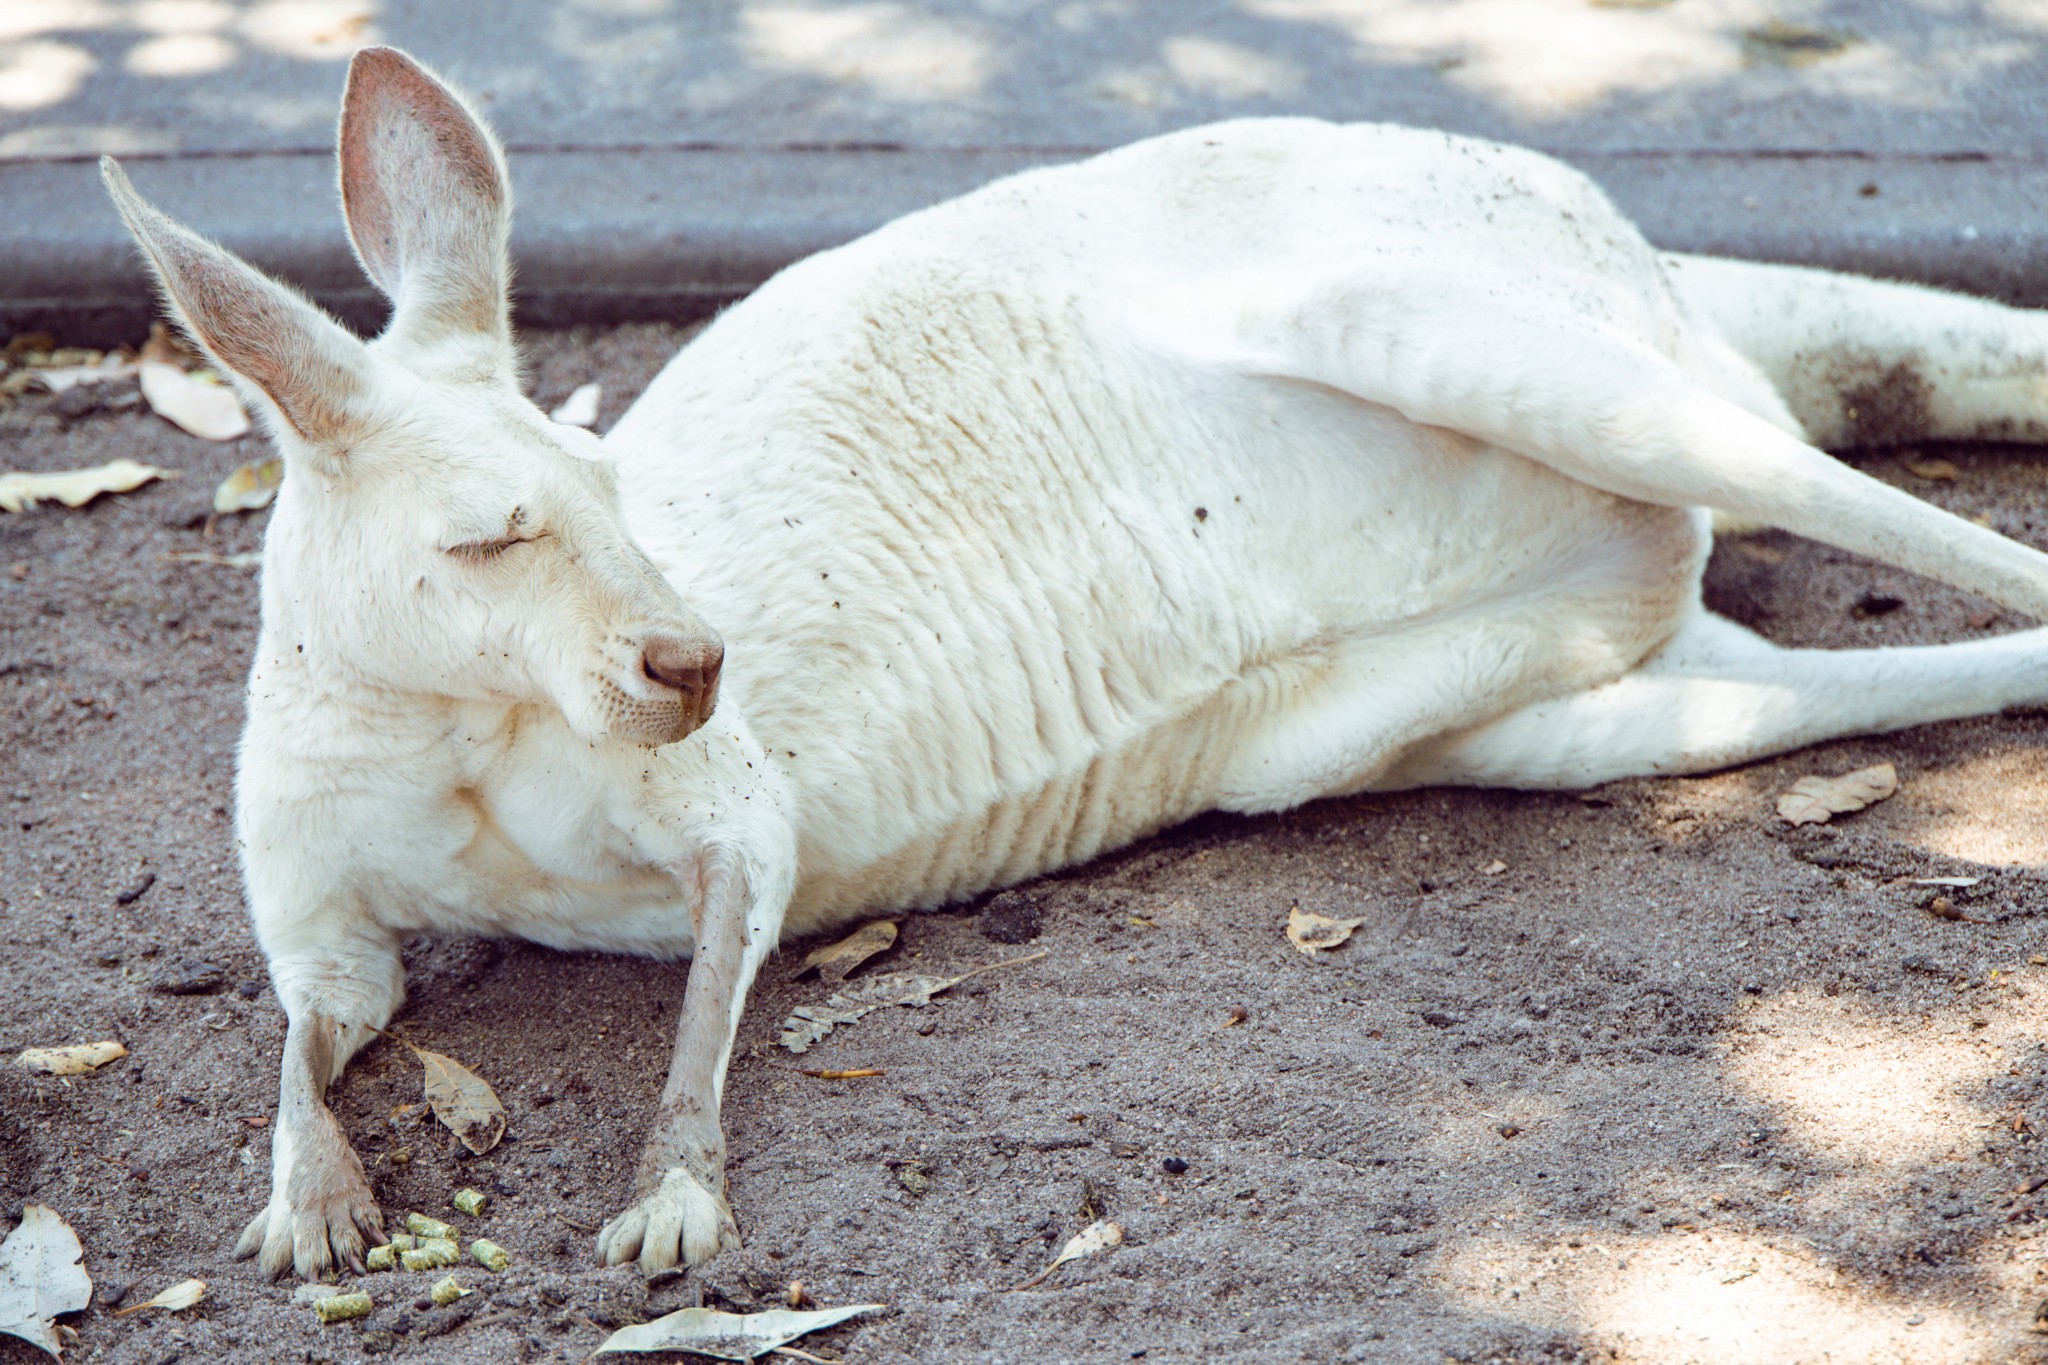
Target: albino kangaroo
{"x": 1253, "y": 464}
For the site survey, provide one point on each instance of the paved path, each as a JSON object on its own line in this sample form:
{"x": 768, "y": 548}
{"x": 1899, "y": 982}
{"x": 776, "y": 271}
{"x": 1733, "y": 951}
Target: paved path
{"x": 670, "y": 154}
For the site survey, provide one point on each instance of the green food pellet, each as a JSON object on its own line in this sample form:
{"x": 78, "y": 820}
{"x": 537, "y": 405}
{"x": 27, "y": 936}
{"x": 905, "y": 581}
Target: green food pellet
{"x": 470, "y": 1202}
{"x": 432, "y": 1256}
{"x": 342, "y": 1307}
{"x": 447, "y": 1291}
{"x": 383, "y": 1257}
{"x": 422, "y": 1226}
{"x": 489, "y": 1254}
{"x": 405, "y": 1241}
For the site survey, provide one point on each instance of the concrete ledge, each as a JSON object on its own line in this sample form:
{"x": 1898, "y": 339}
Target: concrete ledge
{"x": 609, "y": 236}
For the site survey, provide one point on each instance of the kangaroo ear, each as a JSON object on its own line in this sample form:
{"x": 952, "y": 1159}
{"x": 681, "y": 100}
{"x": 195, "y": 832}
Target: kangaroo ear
{"x": 428, "y": 203}
{"x": 284, "y": 351}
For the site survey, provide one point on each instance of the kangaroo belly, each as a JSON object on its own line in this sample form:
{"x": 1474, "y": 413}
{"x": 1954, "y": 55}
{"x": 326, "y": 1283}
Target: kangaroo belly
{"x": 1002, "y": 588}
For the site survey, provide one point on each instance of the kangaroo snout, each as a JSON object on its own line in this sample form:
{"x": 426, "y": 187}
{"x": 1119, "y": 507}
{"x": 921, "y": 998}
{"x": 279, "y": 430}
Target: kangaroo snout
{"x": 690, "y": 667}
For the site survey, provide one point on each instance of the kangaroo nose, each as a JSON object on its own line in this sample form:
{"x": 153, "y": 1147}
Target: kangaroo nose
{"x": 689, "y": 668}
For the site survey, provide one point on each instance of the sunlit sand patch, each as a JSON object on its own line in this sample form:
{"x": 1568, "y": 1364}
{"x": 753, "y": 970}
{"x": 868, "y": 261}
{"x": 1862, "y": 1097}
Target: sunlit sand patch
{"x": 1729, "y": 1300}
{"x": 888, "y": 48}
{"x": 1873, "y": 1092}
{"x": 1992, "y": 809}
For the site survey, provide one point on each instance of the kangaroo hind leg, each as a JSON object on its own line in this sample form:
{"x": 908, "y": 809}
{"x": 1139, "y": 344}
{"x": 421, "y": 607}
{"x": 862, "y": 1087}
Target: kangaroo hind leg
{"x": 1872, "y": 363}
{"x": 1582, "y": 395}
{"x": 1717, "y": 696}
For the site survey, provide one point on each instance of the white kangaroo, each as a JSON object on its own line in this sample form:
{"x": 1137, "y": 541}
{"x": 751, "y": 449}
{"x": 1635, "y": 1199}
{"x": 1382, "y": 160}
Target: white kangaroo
{"x": 1253, "y": 464}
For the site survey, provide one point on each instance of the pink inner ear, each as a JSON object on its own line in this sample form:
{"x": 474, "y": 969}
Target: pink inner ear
{"x": 422, "y": 190}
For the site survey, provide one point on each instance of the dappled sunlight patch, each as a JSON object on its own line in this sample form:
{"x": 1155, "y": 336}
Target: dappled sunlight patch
{"x": 311, "y": 30}
{"x": 1880, "y": 1093}
{"x": 35, "y": 18}
{"x": 1209, "y": 66}
{"x": 1543, "y": 58}
{"x": 38, "y": 74}
{"x": 180, "y": 54}
{"x": 892, "y": 50}
{"x": 1724, "y": 1299}
{"x": 1992, "y": 809}
{"x": 181, "y": 16}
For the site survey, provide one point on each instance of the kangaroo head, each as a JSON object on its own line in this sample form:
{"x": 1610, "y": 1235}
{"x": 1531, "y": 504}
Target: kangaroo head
{"x": 435, "y": 534}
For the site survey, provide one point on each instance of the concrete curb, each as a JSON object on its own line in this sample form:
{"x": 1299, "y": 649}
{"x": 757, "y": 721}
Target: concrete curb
{"x": 605, "y": 236}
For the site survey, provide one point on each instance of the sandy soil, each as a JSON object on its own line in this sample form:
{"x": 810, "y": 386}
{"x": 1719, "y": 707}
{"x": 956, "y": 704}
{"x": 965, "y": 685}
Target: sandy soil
{"x": 1680, "y": 1084}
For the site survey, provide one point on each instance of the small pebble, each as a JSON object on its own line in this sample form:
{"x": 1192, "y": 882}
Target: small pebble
{"x": 189, "y": 976}
{"x": 422, "y": 1303}
{"x": 1173, "y": 1165}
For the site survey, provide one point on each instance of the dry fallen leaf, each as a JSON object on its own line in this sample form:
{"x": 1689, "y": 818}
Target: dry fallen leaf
{"x": 1816, "y": 800}
{"x": 579, "y": 409}
{"x": 728, "y": 1336}
{"x": 835, "y": 961}
{"x": 74, "y": 1060}
{"x": 1313, "y": 933}
{"x": 1092, "y": 1240}
{"x": 463, "y": 1100}
{"x": 208, "y": 410}
{"x": 179, "y": 1296}
{"x": 61, "y": 378}
{"x": 808, "y": 1024}
{"x": 1932, "y": 470}
{"x": 251, "y": 487}
{"x": 40, "y": 1277}
{"x": 76, "y": 487}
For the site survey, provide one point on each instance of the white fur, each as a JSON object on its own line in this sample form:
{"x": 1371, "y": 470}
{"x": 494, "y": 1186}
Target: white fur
{"x": 1240, "y": 467}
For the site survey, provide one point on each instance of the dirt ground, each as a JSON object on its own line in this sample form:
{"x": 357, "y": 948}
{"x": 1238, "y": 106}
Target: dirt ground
{"x": 1680, "y": 1084}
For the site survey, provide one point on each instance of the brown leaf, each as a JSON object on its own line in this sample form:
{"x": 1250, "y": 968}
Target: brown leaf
{"x": 463, "y": 1100}
{"x": 74, "y": 1060}
{"x": 1312, "y": 933}
{"x": 1816, "y": 800}
{"x": 808, "y": 1024}
{"x": 836, "y": 961}
{"x": 76, "y": 487}
{"x": 1935, "y": 471}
